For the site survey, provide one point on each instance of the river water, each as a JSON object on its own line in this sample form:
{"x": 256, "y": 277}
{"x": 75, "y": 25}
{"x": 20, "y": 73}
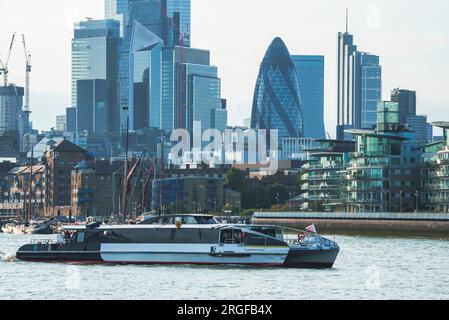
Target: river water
{"x": 367, "y": 268}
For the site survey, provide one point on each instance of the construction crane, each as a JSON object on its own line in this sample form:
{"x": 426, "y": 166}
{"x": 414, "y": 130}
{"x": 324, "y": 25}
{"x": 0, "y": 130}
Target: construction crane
{"x": 26, "y": 144}
{"x": 4, "y": 66}
{"x": 26, "y": 107}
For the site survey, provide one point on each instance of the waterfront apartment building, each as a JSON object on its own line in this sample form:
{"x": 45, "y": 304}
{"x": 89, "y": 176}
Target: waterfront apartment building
{"x": 15, "y": 189}
{"x": 321, "y": 177}
{"x": 310, "y": 72}
{"x": 59, "y": 162}
{"x": 435, "y": 174}
{"x": 95, "y": 187}
{"x": 383, "y": 173}
{"x": 95, "y": 54}
{"x": 359, "y": 87}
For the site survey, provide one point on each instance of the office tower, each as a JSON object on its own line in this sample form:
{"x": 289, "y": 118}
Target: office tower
{"x": 94, "y": 57}
{"x": 174, "y": 85}
{"x": 310, "y": 71}
{"x": 367, "y": 89}
{"x": 181, "y": 8}
{"x": 70, "y": 114}
{"x": 61, "y": 123}
{"x": 203, "y": 98}
{"x": 96, "y": 99}
{"x": 407, "y": 103}
{"x": 277, "y": 102}
{"x": 423, "y": 130}
{"x": 146, "y": 91}
{"x": 113, "y": 8}
{"x": 359, "y": 87}
{"x": 150, "y": 14}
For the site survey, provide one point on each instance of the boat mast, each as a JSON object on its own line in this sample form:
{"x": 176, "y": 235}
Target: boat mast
{"x": 125, "y": 173}
{"x": 28, "y": 215}
{"x": 162, "y": 176}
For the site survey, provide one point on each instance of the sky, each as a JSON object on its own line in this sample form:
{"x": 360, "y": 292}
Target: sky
{"x": 411, "y": 37}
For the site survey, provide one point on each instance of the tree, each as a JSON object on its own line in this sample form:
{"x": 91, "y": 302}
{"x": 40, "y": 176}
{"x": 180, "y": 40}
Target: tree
{"x": 236, "y": 180}
{"x": 278, "y": 190}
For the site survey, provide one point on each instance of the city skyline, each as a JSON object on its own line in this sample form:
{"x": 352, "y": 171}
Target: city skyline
{"x": 374, "y": 30}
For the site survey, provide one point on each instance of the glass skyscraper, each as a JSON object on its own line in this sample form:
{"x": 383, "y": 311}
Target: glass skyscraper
{"x": 96, "y": 104}
{"x": 95, "y": 49}
{"x": 367, "y": 89}
{"x": 146, "y": 62}
{"x": 310, "y": 71}
{"x": 113, "y": 8}
{"x": 359, "y": 87}
{"x": 203, "y": 89}
{"x": 277, "y": 103}
{"x": 181, "y": 7}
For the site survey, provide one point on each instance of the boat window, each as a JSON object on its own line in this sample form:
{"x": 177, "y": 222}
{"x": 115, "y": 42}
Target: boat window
{"x": 232, "y": 236}
{"x": 79, "y": 237}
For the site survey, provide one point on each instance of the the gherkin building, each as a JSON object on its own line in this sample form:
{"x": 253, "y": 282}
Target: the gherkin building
{"x": 277, "y": 103}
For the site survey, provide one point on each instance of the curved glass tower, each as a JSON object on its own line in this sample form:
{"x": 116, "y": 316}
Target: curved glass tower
{"x": 277, "y": 103}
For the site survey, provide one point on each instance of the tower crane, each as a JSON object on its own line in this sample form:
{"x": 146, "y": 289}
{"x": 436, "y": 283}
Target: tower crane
{"x": 26, "y": 107}
{"x": 4, "y": 66}
{"x": 26, "y": 144}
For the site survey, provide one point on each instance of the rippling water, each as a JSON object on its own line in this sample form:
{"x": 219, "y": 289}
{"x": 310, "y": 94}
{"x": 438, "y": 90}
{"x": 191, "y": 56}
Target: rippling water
{"x": 367, "y": 268}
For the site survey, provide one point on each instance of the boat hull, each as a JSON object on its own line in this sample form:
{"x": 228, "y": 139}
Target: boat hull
{"x": 146, "y": 254}
{"x": 202, "y": 254}
{"x": 310, "y": 258}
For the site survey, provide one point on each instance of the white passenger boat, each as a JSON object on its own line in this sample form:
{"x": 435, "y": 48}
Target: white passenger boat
{"x": 185, "y": 239}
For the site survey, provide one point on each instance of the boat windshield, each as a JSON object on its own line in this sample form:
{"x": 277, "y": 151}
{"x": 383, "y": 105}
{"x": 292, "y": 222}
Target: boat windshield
{"x": 185, "y": 220}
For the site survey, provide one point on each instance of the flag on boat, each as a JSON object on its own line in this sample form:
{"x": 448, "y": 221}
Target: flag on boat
{"x": 311, "y": 229}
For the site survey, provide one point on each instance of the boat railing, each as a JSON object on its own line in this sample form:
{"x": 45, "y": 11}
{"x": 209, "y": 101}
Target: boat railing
{"x": 45, "y": 241}
{"x": 51, "y": 241}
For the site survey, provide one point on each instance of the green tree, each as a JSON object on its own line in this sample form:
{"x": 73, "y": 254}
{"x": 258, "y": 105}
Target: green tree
{"x": 236, "y": 180}
{"x": 278, "y": 190}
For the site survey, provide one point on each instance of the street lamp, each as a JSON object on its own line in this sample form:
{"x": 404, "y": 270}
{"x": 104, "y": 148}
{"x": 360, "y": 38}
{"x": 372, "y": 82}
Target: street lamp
{"x": 290, "y": 204}
{"x": 417, "y": 201}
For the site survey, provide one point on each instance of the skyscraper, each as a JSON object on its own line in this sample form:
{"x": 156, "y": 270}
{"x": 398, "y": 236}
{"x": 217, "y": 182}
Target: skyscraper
{"x": 407, "y": 103}
{"x": 161, "y": 17}
{"x": 277, "y": 103}
{"x": 174, "y": 85}
{"x": 146, "y": 64}
{"x": 310, "y": 71}
{"x": 113, "y": 8}
{"x": 359, "y": 87}
{"x": 181, "y": 7}
{"x": 95, "y": 57}
{"x": 96, "y": 105}
{"x": 203, "y": 98}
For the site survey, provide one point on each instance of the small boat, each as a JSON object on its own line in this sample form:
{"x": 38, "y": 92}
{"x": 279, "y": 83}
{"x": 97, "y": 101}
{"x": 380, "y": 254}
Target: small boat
{"x": 8, "y": 228}
{"x": 187, "y": 240}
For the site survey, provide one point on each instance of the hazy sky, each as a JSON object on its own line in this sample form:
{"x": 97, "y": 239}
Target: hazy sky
{"x": 411, "y": 37}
